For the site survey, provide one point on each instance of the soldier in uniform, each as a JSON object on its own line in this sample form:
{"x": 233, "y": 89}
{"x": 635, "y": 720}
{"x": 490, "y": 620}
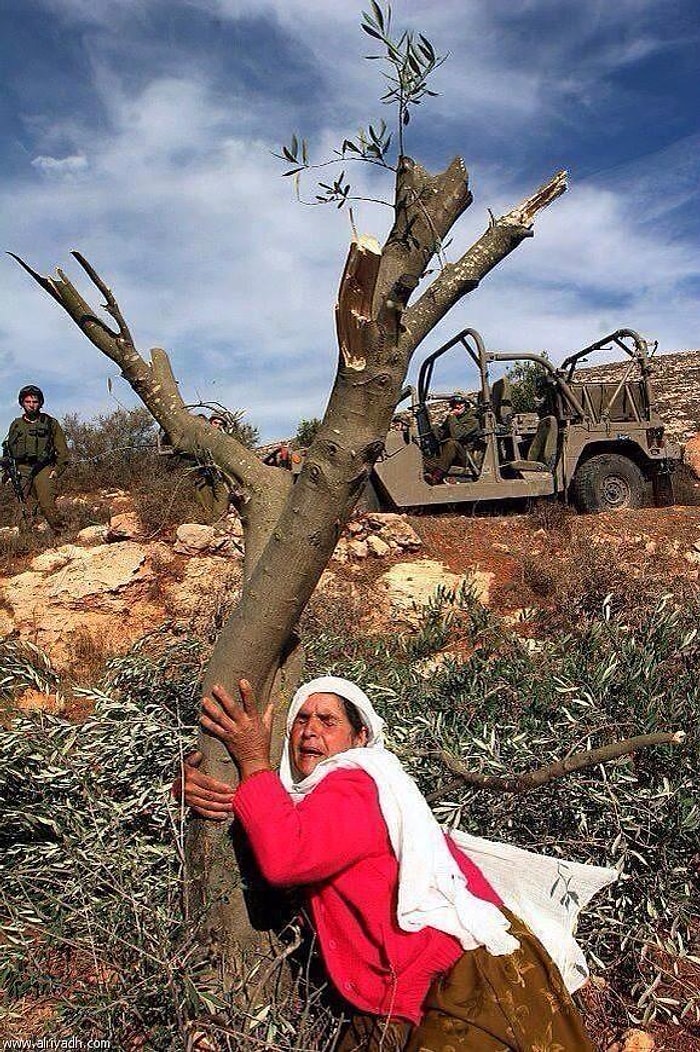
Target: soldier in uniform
{"x": 36, "y": 447}
{"x": 458, "y": 434}
{"x": 210, "y": 489}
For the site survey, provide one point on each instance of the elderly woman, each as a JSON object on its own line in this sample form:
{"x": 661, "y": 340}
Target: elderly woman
{"x": 412, "y": 932}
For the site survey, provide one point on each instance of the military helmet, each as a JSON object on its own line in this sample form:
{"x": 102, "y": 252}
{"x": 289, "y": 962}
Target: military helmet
{"x": 31, "y": 389}
{"x": 458, "y": 398}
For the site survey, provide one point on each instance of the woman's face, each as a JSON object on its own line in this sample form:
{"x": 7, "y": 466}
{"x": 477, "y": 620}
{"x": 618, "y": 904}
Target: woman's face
{"x": 321, "y": 729}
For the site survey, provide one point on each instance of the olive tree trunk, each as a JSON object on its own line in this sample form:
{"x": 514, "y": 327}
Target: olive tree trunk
{"x": 290, "y": 531}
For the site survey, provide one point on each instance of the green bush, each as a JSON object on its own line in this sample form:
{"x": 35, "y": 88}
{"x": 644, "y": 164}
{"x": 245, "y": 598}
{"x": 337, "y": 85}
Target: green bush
{"x": 528, "y": 385}
{"x": 110, "y": 451}
{"x": 91, "y": 848}
{"x": 306, "y": 432}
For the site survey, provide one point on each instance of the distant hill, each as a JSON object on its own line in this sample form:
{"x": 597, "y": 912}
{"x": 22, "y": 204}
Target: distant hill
{"x": 676, "y": 387}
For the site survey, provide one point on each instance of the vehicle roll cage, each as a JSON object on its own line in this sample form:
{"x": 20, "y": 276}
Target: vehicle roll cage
{"x": 561, "y": 376}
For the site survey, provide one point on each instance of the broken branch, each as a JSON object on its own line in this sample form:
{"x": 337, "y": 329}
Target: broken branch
{"x": 353, "y": 312}
{"x": 524, "y": 783}
{"x": 500, "y": 238}
{"x": 155, "y": 383}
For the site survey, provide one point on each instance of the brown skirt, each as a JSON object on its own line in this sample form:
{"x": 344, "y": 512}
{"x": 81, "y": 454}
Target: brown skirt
{"x": 515, "y": 1003}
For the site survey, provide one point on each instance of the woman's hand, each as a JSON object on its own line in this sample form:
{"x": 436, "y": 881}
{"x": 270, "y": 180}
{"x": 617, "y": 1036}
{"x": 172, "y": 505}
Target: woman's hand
{"x": 205, "y": 795}
{"x": 240, "y": 727}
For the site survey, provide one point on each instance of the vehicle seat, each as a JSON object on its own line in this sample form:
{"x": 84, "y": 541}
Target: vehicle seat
{"x": 542, "y": 454}
{"x": 502, "y": 401}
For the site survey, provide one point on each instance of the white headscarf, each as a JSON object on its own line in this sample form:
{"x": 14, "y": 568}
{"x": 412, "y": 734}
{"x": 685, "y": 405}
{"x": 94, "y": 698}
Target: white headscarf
{"x": 432, "y": 889}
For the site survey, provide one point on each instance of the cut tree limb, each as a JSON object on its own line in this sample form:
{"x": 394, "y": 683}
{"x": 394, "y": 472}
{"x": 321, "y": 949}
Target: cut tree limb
{"x": 353, "y": 310}
{"x": 500, "y": 238}
{"x": 524, "y": 783}
{"x": 157, "y": 387}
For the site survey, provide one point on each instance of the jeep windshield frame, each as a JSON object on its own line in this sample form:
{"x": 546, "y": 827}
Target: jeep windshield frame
{"x": 473, "y": 344}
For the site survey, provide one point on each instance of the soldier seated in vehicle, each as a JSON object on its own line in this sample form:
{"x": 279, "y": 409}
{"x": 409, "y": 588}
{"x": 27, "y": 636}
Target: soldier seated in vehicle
{"x": 459, "y": 438}
{"x": 35, "y": 455}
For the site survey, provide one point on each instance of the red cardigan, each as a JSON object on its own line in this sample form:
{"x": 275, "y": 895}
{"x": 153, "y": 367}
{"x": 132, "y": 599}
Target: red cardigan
{"x": 335, "y": 842}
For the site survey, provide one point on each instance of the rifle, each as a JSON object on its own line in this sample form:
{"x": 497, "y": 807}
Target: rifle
{"x": 9, "y": 467}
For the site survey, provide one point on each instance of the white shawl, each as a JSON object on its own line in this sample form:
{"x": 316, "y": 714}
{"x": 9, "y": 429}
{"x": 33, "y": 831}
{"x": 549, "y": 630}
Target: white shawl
{"x": 545, "y": 892}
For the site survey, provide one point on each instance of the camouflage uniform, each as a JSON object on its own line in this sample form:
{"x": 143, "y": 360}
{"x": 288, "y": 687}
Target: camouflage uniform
{"x": 211, "y": 493}
{"x": 38, "y": 448}
{"x": 457, "y": 433}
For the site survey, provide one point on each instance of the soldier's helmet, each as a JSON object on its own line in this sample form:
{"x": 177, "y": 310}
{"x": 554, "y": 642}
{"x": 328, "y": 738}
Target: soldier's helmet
{"x": 458, "y": 398}
{"x": 31, "y": 389}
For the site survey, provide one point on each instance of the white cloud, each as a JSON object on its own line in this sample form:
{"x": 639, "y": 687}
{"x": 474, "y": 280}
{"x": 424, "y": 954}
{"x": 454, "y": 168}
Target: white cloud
{"x": 176, "y": 200}
{"x": 61, "y": 165}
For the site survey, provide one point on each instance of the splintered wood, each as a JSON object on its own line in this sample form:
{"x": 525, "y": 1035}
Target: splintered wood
{"x": 353, "y": 310}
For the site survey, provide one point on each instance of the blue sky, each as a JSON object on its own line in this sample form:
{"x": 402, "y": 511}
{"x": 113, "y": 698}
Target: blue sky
{"x": 140, "y": 132}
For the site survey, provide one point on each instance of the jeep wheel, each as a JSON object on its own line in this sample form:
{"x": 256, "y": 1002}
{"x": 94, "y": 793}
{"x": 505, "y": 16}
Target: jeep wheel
{"x": 608, "y": 482}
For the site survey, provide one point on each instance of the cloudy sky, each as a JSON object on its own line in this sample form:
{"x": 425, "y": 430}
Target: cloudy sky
{"x": 140, "y": 132}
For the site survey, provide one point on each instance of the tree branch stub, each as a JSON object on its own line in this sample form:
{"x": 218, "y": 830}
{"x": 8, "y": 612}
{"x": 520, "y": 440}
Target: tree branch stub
{"x": 501, "y": 237}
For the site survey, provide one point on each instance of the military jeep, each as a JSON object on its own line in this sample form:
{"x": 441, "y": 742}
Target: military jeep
{"x": 600, "y": 445}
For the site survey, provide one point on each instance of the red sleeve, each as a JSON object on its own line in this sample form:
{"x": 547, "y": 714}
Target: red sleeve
{"x": 476, "y": 881}
{"x": 337, "y": 824}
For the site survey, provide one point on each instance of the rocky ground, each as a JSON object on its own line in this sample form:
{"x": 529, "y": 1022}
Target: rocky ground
{"x": 96, "y": 594}
{"x": 99, "y": 592}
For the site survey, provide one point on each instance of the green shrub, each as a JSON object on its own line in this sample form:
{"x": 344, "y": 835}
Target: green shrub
{"x": 110, "y": 451}
{"x": 306, "y": 432}
{"x": 528, "y": 385}
{"x": 91, "y": 847}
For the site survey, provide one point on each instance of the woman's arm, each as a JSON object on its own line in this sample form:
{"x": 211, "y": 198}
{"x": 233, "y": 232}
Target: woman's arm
{"x": 336, "y": 825}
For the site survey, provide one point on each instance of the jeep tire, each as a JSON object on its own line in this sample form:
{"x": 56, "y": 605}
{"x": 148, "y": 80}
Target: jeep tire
{"x": 608, "y": 482}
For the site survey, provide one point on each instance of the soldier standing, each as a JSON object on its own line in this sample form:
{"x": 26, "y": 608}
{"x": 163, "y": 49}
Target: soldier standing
{"x": 210, "y": 489}
{"x": 36, "y": 454}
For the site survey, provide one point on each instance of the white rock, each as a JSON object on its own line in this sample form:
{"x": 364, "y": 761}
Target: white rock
{"x": 194, "y": 537}
{"x": 358, "y": 548}
{"x": 92, "y": 535}
{"x": 83, "y": 572}
{"x": 380, "y": 519}
{"x": 54, "y": 558}
{"x": 49, "y": 561}
{"x": 377, "y": 546}
{"x": 393, "y": 527}
{"x": 123, "y": 527}
{"x": 411, "y": 584}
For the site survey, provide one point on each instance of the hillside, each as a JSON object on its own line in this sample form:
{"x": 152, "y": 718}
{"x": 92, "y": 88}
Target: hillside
{"x": 511, "y": 640}
{"x": 547, "y": 586}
